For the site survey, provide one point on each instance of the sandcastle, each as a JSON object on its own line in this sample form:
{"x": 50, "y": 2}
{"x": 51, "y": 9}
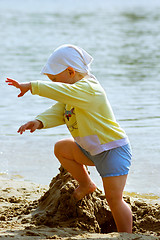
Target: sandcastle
{"x": 58, "y": 207}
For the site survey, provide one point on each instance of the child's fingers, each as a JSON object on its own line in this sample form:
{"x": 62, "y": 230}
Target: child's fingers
{"x": 32, "y": 126}
{"x": 12, "y": 82}
{"x": 11, "y": 79}
{"x": 9, "y": 82}
{"x": 20, "y": 130}
{"x": 23, "y": 128}
{"x": 21, "y": 94}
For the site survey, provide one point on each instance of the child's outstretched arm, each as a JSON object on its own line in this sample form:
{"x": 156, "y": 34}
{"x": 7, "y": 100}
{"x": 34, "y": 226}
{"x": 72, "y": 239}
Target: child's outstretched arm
{"x": 24, "y": 87}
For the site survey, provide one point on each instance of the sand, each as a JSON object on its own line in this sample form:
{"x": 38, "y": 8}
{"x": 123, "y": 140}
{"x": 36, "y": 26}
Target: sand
{"x": 31, "y": 211}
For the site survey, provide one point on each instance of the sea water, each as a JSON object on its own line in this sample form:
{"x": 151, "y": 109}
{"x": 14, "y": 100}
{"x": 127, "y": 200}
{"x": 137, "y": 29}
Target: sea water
{"x": 124, "y": 38}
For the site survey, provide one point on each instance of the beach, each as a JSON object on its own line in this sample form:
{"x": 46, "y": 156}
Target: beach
{"x": 34, "y": 211}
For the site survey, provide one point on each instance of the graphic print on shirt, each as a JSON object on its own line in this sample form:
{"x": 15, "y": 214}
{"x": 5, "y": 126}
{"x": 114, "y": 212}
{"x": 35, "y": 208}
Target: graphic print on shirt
{"x": 68, "y": 114}
{"x": 71, "y": 120}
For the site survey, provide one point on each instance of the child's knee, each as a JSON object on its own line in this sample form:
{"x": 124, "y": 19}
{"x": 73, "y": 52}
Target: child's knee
{"x": 63, "y": 148}
{"x": 57, "y": 148}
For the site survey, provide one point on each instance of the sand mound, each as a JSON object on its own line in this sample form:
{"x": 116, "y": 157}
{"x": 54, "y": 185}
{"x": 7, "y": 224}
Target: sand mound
{"x": 58, "y": 208}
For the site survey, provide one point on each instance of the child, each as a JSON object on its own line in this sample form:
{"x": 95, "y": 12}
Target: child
{"x": 98, "y": 140}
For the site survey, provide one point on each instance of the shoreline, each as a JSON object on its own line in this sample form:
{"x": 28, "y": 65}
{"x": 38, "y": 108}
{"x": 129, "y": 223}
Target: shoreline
{"x": 19, "y": 199}
{"x": 18, "y": 178}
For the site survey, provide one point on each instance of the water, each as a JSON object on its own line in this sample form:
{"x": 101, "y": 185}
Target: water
{"x": 123, "y": 37}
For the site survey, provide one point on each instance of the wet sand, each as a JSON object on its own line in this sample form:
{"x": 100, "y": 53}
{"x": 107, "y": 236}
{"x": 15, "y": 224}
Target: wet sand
{"x": 31, "y": 211}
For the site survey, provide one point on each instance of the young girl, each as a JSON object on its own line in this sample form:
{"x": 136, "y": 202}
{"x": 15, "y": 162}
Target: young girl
{"x": 97, "y": 139}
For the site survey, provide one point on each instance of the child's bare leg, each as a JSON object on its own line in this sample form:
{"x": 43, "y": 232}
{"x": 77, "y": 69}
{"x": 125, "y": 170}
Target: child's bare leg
{"x": 73, "y": 160}
{"x": 121, "y": 212}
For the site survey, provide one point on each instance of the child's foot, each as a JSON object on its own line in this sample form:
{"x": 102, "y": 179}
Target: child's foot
{"x": 81, "y": 191}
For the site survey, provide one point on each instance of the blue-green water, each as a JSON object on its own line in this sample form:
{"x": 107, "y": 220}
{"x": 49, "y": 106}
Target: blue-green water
{"x": 123, "y": 37}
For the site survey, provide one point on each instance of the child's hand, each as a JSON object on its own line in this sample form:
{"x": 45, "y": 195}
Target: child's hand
{"x": 24, "y": 87}
{"x": 31, "y": 125}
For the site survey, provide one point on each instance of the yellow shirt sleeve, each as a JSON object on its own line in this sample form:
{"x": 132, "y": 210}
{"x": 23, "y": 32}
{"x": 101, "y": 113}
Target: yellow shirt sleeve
{"x": 79, "y": 94}
{"x": 52, "y": 117}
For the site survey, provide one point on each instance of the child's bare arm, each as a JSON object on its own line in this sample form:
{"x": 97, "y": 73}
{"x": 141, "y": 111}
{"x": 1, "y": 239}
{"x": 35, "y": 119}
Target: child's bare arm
{"x": 31, "y": 125}
{"x": 24, "y": 87}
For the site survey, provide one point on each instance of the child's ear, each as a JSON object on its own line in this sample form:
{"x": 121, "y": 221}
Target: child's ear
{"x": 71, "y": 71}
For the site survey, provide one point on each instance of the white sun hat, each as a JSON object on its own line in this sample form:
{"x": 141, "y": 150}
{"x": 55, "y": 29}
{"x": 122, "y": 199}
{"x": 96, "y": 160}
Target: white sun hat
{"x": 68, "y": 56}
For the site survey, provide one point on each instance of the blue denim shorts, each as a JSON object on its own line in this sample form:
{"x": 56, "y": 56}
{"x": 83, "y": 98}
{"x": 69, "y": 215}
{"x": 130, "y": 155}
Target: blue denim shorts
{"x": 113, "y": 162}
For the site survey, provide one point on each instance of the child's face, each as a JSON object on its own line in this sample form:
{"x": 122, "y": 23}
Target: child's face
{"x": 61, "y": 77}
{"x": 66, "y": 77}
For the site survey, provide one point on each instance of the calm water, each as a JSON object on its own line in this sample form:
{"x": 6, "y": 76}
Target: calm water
{"x": 124, "y": 39}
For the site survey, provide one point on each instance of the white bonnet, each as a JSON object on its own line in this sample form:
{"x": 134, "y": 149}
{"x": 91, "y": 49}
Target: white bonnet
{"x": 68, "y": 56}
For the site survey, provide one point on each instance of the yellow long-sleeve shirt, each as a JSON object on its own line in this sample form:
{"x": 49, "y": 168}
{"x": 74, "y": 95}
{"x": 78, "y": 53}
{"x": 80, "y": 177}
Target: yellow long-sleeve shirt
{"x": 85, "y": 109}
